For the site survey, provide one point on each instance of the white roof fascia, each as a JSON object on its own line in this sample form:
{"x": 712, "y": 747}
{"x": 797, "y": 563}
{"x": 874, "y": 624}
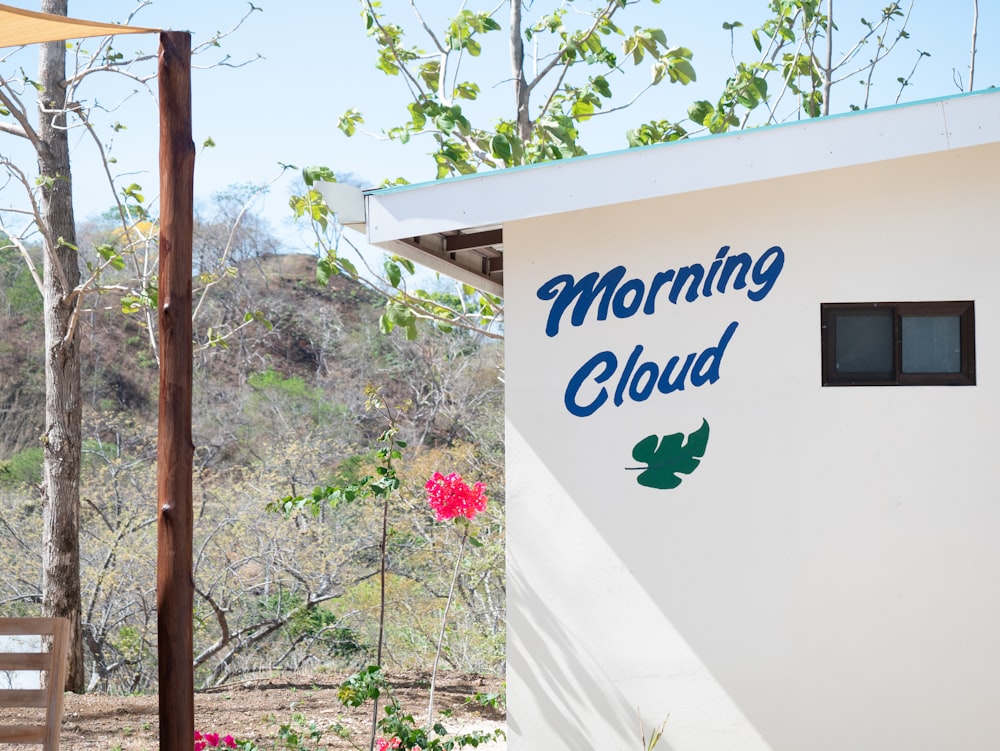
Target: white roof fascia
{"x": 856, "y": 138}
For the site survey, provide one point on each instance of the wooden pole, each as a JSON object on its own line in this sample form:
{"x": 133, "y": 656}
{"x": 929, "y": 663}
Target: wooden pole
{"x": 174, "y": 580}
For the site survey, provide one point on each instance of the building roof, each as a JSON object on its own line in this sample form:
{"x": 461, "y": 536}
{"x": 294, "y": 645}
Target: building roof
{"x": 455, "y": 225}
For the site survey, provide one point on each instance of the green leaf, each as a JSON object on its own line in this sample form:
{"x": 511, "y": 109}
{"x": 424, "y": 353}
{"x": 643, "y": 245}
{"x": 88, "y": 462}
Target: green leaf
{"x": 393, "y": 273}
{"x": 324, "y": 270}
{"x": 700, "y": 111}
{"x": 349, "y": 122}
{"x": 406, "y": 263}
{"x": 312, "y": 175}
{"x": 350, "y": 268}
{"x": 466, "y": 90}
{"x": 109, "y": 254}
{"x": 669, "y": 456}
{"x": 501, "y": 148}
{"x": 133, "y": 192}
{"x": 601, "y": 86}
{"x": 682, "y": 72}
{"x": 130, "y": 304}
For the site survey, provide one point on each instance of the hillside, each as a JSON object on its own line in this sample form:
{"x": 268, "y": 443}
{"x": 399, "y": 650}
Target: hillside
{"x": 280, "y": 407}
{"x": 119, "y": 369}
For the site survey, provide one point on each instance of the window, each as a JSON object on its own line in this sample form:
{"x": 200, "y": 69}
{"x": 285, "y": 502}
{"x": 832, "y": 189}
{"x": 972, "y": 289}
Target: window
{"x": 898, "y": 344}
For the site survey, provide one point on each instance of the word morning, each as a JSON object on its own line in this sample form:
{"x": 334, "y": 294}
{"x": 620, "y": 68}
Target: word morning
{"x": 624, "y": 298}
{"x": 607, "y": 377}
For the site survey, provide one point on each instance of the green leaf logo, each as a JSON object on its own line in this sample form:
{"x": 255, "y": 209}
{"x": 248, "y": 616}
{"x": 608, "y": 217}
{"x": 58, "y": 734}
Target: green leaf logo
{"x": 668, "y": 457}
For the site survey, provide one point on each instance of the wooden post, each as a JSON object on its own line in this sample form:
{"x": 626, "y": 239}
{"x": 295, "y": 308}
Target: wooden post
{"x": 174, "y": 580}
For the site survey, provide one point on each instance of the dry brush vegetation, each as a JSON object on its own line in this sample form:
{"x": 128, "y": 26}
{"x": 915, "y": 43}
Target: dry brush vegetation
{"x": 279, "y": 409}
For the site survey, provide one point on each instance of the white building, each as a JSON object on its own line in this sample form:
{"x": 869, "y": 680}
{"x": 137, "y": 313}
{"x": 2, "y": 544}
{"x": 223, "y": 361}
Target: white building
{"x": 810, "y": 564}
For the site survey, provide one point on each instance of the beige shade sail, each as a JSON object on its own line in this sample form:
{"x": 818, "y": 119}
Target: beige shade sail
{"x": 19, "y": 27}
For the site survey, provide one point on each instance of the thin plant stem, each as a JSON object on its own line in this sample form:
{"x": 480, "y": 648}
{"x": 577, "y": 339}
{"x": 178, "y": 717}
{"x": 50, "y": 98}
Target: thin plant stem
{"x": 444, "y": 622}
{"x": 975, "y": 30}
{"x": 381, "y": 611}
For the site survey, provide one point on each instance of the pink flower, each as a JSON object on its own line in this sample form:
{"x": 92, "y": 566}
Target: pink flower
{"x": 384, "y": 745}
{"x": 450, "y": 497}
{"x": 206, "y": 740}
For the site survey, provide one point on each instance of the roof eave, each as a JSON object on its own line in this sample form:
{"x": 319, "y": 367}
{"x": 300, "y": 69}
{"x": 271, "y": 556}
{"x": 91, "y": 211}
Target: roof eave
{"x": 397, "y": 216}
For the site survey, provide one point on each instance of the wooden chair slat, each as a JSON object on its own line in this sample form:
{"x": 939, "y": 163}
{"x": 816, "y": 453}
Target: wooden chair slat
{"x": 22, "y": 733}
{"x": 24, "y": 697}
{"x": 26, "y": 626}
{"x": 25, "y": 660}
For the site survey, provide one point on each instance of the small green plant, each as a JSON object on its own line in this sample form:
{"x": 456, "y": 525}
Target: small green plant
{"x": 341, "y": 730}
{"x": 400, "y": 730}
{"x": 292, "y": 734}
{"x": 654, "y": 737}
{"x": 493, "y": 700}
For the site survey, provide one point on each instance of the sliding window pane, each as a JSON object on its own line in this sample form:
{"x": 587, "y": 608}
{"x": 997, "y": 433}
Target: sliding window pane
{"x": 864, "y": 343}
{"x": 932, "y": 344}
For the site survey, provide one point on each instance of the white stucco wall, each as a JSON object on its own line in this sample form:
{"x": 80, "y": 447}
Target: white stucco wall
{"x": 827, "y": 578}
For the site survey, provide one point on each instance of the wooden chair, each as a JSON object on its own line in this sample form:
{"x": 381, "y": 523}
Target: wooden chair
{"x": 49, "y": 698}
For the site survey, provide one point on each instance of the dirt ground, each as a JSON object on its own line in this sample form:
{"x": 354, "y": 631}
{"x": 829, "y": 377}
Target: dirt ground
{"x": 254, "y": 709}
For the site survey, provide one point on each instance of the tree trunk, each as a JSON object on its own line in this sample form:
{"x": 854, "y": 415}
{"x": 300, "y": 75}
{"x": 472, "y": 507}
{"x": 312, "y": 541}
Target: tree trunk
{"x": 522, "y": 93}
{"x": 61, "y": 466}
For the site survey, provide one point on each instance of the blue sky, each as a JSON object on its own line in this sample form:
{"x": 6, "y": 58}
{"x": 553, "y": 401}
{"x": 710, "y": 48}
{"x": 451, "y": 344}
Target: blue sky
{"x": 316, "y": 62}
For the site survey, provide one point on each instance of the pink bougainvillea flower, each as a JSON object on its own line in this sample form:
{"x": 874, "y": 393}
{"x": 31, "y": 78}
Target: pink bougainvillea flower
{"x": 451, "y": 497}
{"x": 213, "y": 739}
{"x": 229, "y": 741}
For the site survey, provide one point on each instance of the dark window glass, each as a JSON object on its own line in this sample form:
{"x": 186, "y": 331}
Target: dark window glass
{"x": 864, "y": 343}
{"x": 932, "y": 344}
{"x": 898, "y": 344}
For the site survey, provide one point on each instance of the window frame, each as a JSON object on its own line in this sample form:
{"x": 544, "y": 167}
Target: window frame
{"x": 963, "y": 309}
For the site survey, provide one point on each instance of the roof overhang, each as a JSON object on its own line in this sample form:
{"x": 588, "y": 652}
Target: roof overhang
{"x": 455, "y": 226}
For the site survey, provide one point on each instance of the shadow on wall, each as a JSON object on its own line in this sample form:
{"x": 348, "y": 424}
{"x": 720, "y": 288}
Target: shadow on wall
{"x": 564, "y": 684}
